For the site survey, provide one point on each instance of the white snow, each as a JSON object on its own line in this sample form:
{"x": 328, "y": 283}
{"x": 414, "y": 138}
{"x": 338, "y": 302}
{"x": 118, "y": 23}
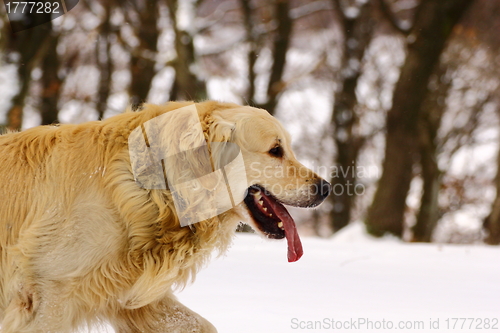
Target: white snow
{"x": 348, "y": 278}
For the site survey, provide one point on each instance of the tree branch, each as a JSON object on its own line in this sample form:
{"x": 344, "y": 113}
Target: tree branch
{"x": 340, "y": 12}
{"x": 389, "y": 16}
{"x": 309, "y": 8}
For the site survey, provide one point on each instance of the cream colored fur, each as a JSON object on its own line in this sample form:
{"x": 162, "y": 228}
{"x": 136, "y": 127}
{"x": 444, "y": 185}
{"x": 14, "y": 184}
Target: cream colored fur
{"x": 81, "y": 242}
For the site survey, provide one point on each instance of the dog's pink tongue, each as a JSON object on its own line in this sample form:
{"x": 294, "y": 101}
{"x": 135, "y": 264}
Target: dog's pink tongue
{"x": 295, "y": 250}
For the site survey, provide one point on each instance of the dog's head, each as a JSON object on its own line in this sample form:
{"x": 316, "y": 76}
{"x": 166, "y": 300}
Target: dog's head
{"x": 229, "y": 160}
{"x": 275, "y": 177}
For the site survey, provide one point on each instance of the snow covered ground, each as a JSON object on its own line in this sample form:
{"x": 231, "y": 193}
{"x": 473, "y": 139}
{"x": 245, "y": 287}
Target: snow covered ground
{"x": 351, "y": 282}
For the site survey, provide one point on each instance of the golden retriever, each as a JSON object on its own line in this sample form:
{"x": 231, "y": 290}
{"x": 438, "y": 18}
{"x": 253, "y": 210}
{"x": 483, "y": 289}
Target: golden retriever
{"x": 84, "y": 239}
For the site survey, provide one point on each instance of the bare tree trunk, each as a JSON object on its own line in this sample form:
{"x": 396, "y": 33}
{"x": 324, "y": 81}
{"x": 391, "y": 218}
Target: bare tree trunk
{"x": 186, "y": 86}
{"x": 281, "y": 43}
{"x": 15, "y": 113}
{"x": 30, "y": 45}
{"x": 252, "y": 52}
{"x": 430, "y": 120}
{"x": 434, "y": 22}
{"x": 105, "y": 63}
{"x": 492, "y": 221}
{"x": 357, "y": 33}
{"x": 280, "y": 49}
{"x": 142, "y": 61}
{"x": 428, "y": 214}
{"x": 51, "y": 82}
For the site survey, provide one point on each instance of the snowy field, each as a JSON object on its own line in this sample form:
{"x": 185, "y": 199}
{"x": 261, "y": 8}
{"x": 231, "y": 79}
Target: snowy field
{"x": 351, "y": 282}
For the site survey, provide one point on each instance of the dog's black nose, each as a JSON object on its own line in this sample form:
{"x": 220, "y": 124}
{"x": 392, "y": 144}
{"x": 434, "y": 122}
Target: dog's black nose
{"x": 324, "y": 188}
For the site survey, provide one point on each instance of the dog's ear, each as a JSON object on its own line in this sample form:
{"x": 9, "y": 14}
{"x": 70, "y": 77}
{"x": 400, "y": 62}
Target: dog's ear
{"x": 220, "y": 137}
{"x": 197, "y": 185}
{"x": 171, "y": 151}
{"x": 227, "y": 158}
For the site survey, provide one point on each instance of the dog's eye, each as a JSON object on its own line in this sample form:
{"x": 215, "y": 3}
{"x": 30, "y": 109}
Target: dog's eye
{"x": 276, "y": 151}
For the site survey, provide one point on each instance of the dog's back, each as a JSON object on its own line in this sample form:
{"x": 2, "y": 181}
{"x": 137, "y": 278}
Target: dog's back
{"x": 21, "y": 155}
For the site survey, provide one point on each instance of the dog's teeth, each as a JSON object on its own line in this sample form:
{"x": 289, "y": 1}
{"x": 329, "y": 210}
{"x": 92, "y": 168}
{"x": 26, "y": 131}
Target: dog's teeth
{"x": 261, "y": 202}
{"x": 280, "y": 224}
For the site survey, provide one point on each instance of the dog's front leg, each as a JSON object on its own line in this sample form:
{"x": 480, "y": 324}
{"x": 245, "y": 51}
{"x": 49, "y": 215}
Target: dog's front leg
{"x": 165, "y": 316}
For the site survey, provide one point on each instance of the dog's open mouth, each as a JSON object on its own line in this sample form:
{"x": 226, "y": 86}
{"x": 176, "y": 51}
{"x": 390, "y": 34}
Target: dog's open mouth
{"x": 272, "y": 218}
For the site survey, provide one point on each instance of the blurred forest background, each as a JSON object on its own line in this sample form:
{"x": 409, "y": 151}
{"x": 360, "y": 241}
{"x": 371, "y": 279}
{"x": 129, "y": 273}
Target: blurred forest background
{"x": 395, "y": 101}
